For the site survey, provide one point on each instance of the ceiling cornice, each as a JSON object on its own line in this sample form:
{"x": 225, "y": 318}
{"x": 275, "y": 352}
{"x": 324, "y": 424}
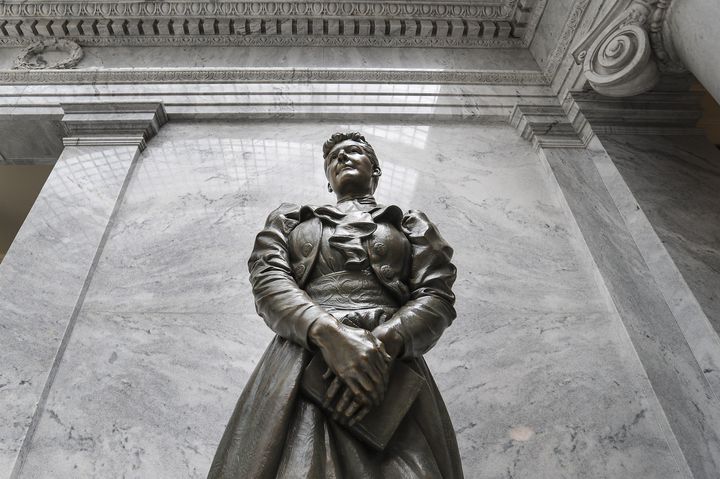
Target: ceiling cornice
{"x": 478, "y": 24}
{"x": 498, "y": 9}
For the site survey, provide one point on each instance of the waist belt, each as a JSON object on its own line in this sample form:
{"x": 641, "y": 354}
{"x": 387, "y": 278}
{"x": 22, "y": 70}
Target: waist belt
{"x": 350, "y": 291}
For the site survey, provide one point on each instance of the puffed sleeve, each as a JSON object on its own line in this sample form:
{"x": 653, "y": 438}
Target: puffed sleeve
{"x": 423, "y": 318}
{"x": 286, "y": 308}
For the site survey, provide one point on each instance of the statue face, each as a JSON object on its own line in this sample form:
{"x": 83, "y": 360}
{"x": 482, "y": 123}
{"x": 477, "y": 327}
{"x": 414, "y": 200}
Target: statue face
{"x": 349, "y": 170}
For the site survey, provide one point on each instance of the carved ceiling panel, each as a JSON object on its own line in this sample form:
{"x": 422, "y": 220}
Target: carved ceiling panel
{"x": 449, "y": 23}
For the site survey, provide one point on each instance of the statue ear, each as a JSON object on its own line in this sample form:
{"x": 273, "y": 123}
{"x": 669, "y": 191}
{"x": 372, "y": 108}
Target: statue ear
{"x": 329, "y": 188}
{"x": 377, "y": 171}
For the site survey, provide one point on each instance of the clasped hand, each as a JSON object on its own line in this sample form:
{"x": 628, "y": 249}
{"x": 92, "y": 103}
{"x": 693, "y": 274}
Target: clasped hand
{"x": 361, "y": 367}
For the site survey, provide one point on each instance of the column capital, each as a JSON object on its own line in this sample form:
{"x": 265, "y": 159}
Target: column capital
{"x": 626, "y": 52}
{"x": 112, "y": 123}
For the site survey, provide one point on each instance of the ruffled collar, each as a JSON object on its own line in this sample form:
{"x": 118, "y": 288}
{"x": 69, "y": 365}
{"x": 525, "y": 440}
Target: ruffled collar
{"x": 336, "y": 213}
{"x": 354, "y": 220}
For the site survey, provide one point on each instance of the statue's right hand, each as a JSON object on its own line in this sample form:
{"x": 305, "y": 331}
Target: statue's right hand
{"x": 356, "y": 357}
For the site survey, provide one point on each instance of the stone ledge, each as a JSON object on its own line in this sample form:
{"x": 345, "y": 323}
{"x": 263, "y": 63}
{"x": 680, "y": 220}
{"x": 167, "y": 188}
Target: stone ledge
{"x": 654, "y": 113}
{"x": 546, "y": 126}
{"x": 111, "y": 123}
{"x": 298, "y": 75}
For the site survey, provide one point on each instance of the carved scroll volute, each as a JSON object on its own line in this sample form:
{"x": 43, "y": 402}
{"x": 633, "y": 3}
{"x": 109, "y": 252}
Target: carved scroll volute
{"x": 617, "y": 58}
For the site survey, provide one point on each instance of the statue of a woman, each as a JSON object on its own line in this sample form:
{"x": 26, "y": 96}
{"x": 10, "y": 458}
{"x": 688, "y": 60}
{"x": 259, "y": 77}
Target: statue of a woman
{"x": 366, "y": 287}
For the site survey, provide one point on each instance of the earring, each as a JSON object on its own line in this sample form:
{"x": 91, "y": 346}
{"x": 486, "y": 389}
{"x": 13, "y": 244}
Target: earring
{"x": 329, "y": 188}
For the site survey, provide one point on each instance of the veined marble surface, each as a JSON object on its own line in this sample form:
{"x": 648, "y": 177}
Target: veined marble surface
{"x": 298, "y": 57}
{"x": 625, "y": 259}
{"x": 676, "y": 182}
{"x": 326, "y": 100}
{"x": 42, "y": 276}
{"x": 666, "y": 188}
{"x": 537, "y": 371}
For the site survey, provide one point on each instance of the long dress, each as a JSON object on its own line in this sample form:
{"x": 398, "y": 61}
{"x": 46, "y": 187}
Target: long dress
{"x": 275, "y": 431}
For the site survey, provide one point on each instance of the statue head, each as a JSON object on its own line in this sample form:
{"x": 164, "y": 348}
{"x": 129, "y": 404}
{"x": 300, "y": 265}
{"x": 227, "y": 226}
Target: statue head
{"x": 351, "y": 166}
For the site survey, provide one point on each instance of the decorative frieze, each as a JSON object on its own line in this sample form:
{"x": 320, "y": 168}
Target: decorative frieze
{"x": 280, "y": 23}
{"x": 566, "y": 36}
{"x": 401, "y": 9}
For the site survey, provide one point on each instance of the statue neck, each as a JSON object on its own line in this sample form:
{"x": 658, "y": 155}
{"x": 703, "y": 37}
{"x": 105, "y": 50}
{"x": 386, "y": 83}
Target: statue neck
{"x": 356, "y": 202}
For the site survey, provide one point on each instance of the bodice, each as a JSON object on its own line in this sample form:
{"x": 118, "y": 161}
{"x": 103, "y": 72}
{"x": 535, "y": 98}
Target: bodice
{"x": 342, "y": 280}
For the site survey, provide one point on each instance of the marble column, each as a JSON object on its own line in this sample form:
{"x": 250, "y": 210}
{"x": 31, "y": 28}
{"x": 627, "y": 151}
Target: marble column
{"x": 692, "y": 27}
{"x": 46, "y": 272}
{"x": 639, "y": 41}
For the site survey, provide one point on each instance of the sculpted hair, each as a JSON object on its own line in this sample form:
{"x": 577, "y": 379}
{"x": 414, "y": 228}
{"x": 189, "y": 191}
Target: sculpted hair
{"x": 354, "y": 136}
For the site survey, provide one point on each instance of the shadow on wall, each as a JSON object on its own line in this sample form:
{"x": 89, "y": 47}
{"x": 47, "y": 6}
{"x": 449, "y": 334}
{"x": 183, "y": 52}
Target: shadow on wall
{"x": 20, "y": 186}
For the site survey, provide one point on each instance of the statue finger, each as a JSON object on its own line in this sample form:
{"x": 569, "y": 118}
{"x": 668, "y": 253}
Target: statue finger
{"x": 344, "y": 401}
{"x": 376, "y": 374}
{"x": 359, "y": 416}
{"x": 332, "y": 392}
{"x": 370, "y": 387}
{"x": 351, "y": 409}
{"x": 358, "y": 391}
{"x": 382, "y": 374}
{"x": 386, "y": 376}
{"x": 385, "y": 359}
{"x": 381, "y": 392}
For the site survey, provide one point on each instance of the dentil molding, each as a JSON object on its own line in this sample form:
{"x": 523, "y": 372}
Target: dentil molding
{"x": 403, "y": 8}
{"x": 455, "y": 23}
{"x": 625, "y": 54}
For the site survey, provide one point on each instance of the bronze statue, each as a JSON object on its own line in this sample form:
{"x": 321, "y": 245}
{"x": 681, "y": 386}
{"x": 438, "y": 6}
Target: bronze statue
{"x": 366, "y": 291}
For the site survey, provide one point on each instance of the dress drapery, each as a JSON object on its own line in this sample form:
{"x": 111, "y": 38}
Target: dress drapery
{"x": 380, "y": 266}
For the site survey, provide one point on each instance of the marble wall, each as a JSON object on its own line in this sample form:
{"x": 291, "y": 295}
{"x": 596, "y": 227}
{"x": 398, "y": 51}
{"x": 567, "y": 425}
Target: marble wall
{"x": 677, "y": 347}
{"x": 676, "y": 182}
{"x": 43, "y": 279}
{"x": 538, "y": 372}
